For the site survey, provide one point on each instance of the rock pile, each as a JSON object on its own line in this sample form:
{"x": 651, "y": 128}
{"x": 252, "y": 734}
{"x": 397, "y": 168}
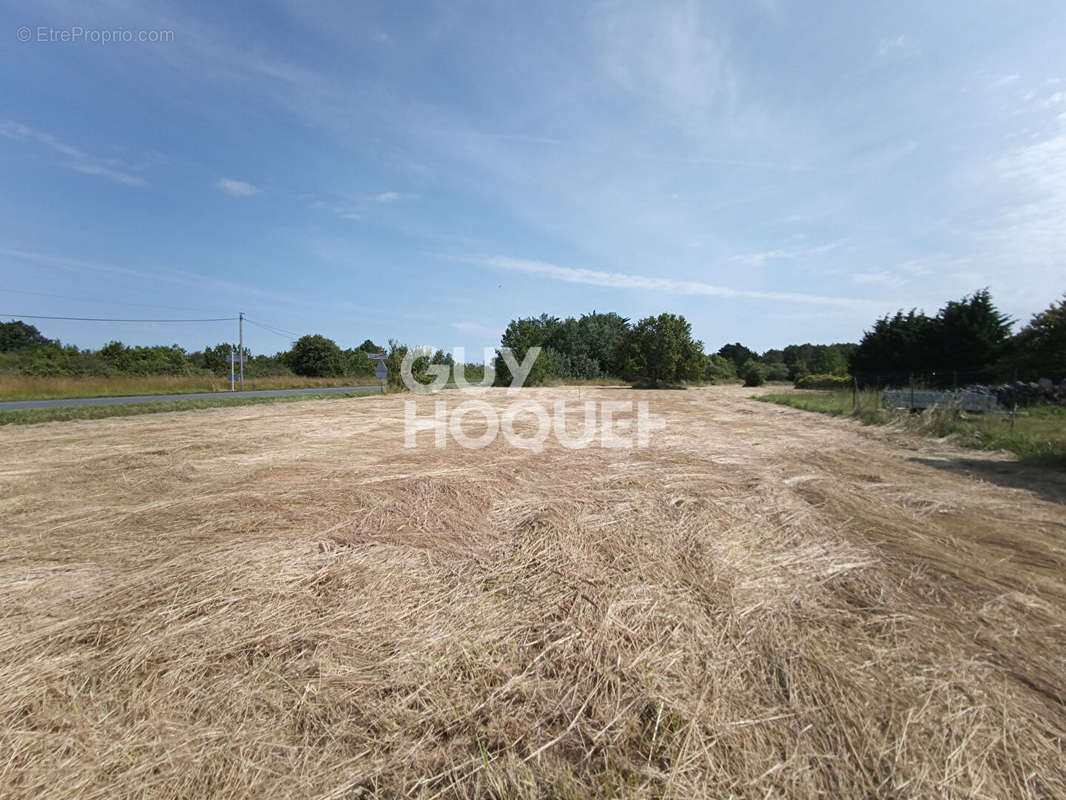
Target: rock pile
{"x": 1024, "y": 393}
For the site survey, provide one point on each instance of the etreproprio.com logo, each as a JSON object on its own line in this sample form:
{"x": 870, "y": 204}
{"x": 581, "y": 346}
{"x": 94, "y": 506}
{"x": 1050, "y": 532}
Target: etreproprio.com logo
{"x": 606, "y": 423}
{"x": 79, "y": 34}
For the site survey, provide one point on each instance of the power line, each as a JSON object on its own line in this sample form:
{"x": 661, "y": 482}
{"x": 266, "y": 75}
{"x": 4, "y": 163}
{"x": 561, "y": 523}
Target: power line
{"x": 103, "y": 319}
{"x": 270, "y": 328}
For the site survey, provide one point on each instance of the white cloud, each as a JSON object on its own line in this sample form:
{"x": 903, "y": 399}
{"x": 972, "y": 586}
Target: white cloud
{"x": 879, "y": 278}
{"x": 758, "y": 259}
{"x": 236, "y": 188}
{"x": 152, "y": 275}
{"x": 624, "y": 280}
{"x": 892, "y": 43}
{"x": 360, "y": 207}
{"x": 881, "y": 158}
{"x": 394, "y": 197}
{"x": 110, "y": 168}
{"x": 1005, "y": 80}
{"x": 1023, "y": 240}
{"x": 671, "y": 55}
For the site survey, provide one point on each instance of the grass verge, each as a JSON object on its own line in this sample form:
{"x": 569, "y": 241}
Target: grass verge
{"x": 1038, "y": 434}
{"x": 30, "y": 387}
{"x": 30, "y": 416}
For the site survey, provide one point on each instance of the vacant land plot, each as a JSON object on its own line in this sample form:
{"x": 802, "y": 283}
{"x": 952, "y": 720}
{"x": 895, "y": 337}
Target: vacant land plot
{"x": 282, "y": 601}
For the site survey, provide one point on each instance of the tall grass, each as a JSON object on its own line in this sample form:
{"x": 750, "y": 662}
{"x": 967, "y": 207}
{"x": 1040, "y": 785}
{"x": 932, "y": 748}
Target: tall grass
{"x": 32, "y": 416}
{"x": 31, "y": 387}
{"x": 1036, "y": 433}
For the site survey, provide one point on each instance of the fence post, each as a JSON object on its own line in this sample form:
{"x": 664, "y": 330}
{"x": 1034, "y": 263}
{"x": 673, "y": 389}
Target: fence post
{"x": 854, "y": 393}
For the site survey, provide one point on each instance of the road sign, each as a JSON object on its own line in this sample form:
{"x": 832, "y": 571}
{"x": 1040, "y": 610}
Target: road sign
{"x": 381, "y": 372}
{"x": 236, "y": 359}
{"x": 377, "y": 356}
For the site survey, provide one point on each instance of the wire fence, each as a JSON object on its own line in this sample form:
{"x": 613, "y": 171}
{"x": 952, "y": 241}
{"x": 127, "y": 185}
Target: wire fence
{"x": 964, "y": 387}
{"x": 946, "y": 378}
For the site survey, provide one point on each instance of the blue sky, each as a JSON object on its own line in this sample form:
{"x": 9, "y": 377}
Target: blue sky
{"x": 777, "y": 172}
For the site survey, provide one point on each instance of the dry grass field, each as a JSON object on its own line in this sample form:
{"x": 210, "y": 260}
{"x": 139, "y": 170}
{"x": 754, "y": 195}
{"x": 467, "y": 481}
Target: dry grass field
{"x": 282, "y": 601}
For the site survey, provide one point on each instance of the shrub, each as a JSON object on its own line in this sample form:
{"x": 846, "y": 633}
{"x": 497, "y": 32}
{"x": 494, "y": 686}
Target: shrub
{"x": 824, "y": 382}
{"x": 316, "y": 357}
{"x": 661, "y": 351}
{"x": 155, "y": 360}
{"x": 777, "y": 371}
{"x": 717, "y": 369}
{"x": 17, "y": 335}
{"x": 753, "y": 373}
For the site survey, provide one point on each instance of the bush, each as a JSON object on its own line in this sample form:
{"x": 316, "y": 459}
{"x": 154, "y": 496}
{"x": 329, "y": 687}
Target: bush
{"x": 777, "y": 371}
{"x": 753, "y": 373}
{"x": 156, "y": 360}
{"x": 661, "y": 351}
{"x": 17, "y": 335}
{"x": 824, "y": 382}
{"x": 717, "y": 369}
{"x": 316, "y": 357}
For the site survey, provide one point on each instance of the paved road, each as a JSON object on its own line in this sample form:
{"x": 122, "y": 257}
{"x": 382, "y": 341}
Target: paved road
{"x": 15, "y": 405}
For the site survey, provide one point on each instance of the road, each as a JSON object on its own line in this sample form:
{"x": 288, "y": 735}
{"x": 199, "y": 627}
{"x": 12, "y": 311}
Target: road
{"x": 17, "y": 405}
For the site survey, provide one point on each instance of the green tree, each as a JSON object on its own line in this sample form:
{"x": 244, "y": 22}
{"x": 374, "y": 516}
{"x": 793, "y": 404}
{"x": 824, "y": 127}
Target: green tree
{"x": 753, "y": 373}
{"x": 661, "y": 351}
{"x": 896, "y": 344}
{"x": 420, "y": 362}
{"x": 604, "y": 336}
{"x": 777, "y": 371}
{"x": 215, "y": 358}
{"x": 316, "y": 356}
{"x": 395, "y": 355}
{"x": 522, "y": 334}
{"x": 1039, "y": 348}
{"x": 831, "y": 361}
{"x": 738, "y": 354}
{"x": 369, "y": 347}
{"x": 591, "y": 346}
{"x": 17, "y": 335}
{"x": 969, "y": 334}
{"x": 157, "y": 360}
{"x": 717, "y": 369}
{"x": 356, "y": 364}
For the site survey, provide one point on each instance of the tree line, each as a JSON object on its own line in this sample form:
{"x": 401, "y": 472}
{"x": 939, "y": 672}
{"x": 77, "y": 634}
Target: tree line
{"x": 968, "y": 339}
{"x": 25, "y": 350}
{"x": 654, "y": 351}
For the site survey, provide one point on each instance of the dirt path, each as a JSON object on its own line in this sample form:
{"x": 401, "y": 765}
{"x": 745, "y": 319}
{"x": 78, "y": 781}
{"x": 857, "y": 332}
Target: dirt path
{"x": 284, "y": 600}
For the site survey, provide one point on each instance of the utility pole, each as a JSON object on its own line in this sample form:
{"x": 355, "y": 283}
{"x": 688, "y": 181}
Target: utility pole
{"x": 240, "y": 333}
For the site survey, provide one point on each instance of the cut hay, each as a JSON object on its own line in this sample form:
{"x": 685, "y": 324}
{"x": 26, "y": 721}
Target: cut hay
{"x": 283, "y": 602}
